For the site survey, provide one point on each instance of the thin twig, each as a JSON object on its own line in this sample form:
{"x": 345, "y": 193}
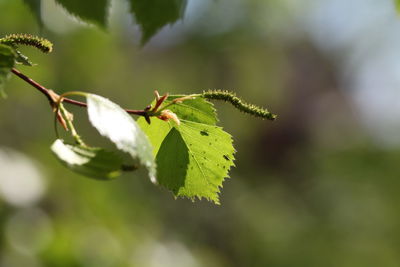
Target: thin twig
{"x": 50, "y": 94}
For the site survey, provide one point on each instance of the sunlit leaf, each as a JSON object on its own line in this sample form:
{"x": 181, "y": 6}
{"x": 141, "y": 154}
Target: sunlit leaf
{"x": 156, "y": 131}
{"x": 91, "y": 162}
{"x": 88, "y": 10}
{"x": 194, "y": 159}
{"x": 152, "y": 15}
{"x": 7, "y": 61}
{"x": 114, "y": 123}
{"x": 196, "y": 110}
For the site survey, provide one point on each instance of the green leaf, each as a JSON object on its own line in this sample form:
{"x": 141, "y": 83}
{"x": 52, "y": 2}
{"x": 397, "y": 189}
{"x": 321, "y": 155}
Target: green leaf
{"x": 194, "y": 160}
{"x": 196, "y": 110}
{"x": 35, "y": 7}
{"x": 91, "y": 162}
{"x": 156, "y": 132}
{"x": 7, "y": 61}
{"x": 114, "y": 123}
{"x": 88, "y": 10}
{"x": 152, "y": 15}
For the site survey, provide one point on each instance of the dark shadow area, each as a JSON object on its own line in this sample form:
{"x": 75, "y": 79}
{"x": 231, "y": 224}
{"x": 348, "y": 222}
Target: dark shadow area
{"x": 172, "y": 161}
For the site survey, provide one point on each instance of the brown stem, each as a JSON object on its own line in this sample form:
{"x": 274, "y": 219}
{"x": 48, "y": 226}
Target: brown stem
{"x": 50, "y": 94}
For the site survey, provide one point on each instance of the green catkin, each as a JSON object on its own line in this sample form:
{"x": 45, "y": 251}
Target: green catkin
{"x": 14, "y": 40}
{"x": 238, "y": 103}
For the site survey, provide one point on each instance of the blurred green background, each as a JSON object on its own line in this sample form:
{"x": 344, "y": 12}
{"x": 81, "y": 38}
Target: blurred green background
{"x": 317, "y": 187}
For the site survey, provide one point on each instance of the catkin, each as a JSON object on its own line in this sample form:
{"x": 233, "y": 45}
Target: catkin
{"x": 238, "y": 103}
{"x": 42, "y": 44}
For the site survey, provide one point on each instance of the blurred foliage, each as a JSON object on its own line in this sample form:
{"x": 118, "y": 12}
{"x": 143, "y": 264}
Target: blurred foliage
{"x": 6, "y": 63}
{"x": 93, "y": 11}
{"x": 151, "y": 15}
{"x": 311, "y": 188}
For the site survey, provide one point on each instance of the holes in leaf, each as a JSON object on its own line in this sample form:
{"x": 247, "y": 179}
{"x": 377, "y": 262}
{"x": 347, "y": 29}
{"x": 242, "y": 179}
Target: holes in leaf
{"x": 204, "y": 133}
